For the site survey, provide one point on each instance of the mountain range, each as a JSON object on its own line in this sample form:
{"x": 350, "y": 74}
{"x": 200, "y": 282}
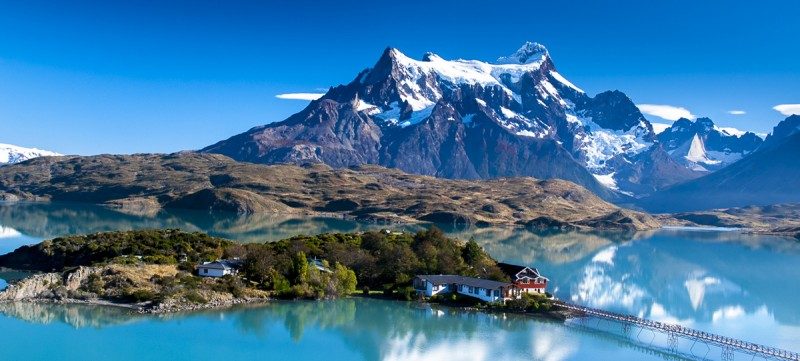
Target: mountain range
{"x": 470, "y": 119}
{"x": 769, "y": 175}
{"x": 10, "y": 154}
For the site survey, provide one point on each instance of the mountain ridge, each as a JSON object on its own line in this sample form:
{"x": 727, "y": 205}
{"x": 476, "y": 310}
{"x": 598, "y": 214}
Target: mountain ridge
{"x": 144, "y": 183}
{"x": 768, "y": 175}
{"x": 412, "y": 114}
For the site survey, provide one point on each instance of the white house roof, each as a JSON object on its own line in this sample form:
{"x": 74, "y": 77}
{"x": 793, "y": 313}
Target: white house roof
{"x": 214, "y": 265}
{"x": 462, "y": 280}
{"x": 223, "y": 264}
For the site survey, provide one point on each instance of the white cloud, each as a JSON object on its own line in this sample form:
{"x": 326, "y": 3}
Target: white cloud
{"x": 667, "y": 112}
{"x": 787, "y": 109}
{"x": 737, "y": 112}
{"x": 300, "y": 96}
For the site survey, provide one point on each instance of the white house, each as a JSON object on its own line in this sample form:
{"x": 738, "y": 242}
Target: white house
{"x": 319, "y": 265}
{"x": 527, "y": 279}
{"x": 483, "y": 289}
{"x": 218, "y": 268}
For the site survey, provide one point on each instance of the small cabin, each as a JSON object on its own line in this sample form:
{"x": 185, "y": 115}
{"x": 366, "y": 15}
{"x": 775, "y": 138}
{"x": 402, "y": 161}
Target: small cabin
{"x": 527, "y": 279}
{"x": 319, "y": 265}
{"x": 218, "y": 268}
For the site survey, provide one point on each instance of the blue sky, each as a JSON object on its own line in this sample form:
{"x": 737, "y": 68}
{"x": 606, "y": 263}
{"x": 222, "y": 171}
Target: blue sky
{"x": 84, "y": 77}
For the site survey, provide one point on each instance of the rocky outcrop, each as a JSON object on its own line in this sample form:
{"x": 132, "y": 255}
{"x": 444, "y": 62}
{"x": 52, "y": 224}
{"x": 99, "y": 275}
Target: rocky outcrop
{"x": 121, "y": 286}
{"x": 40, "y": 286}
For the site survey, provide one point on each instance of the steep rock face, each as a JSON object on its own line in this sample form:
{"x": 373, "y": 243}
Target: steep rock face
{"x": 516, "y": 116}
{"x": 615, "y": 111}
{"x": 768, "y": 175}
{"x": 652, "y": 170}
{"x": 325, "y": 132}
{"x": 35, "y": 287}
{"x": 783, "y": 130}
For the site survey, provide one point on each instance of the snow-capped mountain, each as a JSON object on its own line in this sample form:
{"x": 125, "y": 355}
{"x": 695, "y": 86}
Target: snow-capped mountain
{"x": 702, "y": 146}
{"x": 516, "y": 116}
{"x": 10, "y": 154}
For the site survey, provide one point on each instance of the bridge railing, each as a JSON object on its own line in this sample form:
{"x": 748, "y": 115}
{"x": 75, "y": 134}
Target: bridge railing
{"x": 724, "y": 341}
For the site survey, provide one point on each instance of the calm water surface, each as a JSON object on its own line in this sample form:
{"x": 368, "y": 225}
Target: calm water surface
{"x": 723, "y": 282}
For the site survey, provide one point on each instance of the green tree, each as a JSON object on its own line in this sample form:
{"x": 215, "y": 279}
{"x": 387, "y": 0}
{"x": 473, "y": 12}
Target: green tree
{"x": 344, "y": 279}
{"x": 472, "y": 252}
{"x": 300, "y": 268}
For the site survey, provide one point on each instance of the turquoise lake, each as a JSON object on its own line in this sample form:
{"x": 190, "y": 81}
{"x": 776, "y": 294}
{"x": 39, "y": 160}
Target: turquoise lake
{"x": 724, "y": 282}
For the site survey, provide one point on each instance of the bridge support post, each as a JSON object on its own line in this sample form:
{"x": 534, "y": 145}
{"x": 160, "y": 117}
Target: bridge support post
{"x": 626, "y": 329}
{"x": 727, "y": 354}
{"x": 672, "y": 339}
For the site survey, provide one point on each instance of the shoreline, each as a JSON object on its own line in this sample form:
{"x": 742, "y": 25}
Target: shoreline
{"x": 141, "y": 308}
{"x": 556, "y": 314}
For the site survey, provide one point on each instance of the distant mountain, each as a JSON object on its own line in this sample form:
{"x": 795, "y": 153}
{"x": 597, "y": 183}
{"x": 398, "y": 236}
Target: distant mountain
{"x": 768, "y": 175}
{"x": 702, "y": 146}
{"x": 783, "y": 130}
{"x": 10, "y": 154}
{"x": 516, "y": 116}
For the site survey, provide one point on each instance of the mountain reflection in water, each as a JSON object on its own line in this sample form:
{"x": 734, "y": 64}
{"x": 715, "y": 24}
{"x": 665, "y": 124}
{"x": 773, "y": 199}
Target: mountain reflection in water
{"x": 729, "y": 283}
{"x": 349, "y": 329}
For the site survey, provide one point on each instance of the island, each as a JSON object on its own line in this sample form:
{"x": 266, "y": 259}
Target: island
{"x": 163, "y": 271}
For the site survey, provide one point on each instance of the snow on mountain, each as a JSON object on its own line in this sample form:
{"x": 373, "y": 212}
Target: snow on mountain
{"x": 10, "y": 154}
{"x": 523, "y": 91}
{"x": 599, "y": 145}
{"x": 658, "y": 128}
{"x": 730, "y": 131}
{"x": 515, "y": 116}
{"x": 420, "y": 94}
{"x": 695, "y": 154}
{"x": 607, "y": 180}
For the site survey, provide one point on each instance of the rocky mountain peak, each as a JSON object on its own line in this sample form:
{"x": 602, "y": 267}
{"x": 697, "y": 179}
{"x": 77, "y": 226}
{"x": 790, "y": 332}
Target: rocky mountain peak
{"x": 528, "y": 53}
{"x": 614, "y": 110}
{"x": 784, "y": 129}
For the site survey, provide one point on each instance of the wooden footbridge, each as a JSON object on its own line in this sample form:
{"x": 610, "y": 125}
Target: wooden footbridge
{"x": 729, "y": 346}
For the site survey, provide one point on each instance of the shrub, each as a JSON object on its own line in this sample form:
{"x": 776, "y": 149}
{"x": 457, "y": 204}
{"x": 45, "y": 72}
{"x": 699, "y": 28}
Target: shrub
{"x": 407, "y": 293}
{"x": 95, "y": 284}
{"x": 194, "y": 297}
{"x": 159, "y": 259}
{"x": 141, "y": 295}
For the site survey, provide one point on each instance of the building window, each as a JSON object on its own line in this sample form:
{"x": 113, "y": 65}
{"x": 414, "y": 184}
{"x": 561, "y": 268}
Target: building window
{"x": 205, "y": 270}
{"x": 525, "y": 281}
{"x": 488, "y": 292}
{"x": 496, "y": 293}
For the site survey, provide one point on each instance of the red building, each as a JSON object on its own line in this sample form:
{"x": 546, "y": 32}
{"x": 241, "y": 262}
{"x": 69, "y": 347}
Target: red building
{"x": 527, "y": 279}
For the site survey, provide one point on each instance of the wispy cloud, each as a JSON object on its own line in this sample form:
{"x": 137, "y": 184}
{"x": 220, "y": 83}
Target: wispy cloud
{"x": 737, "y": 112}
{"x": 300, "y": 96}
{"x": 667, "y": 112}
{"x": 787, "y": 109}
